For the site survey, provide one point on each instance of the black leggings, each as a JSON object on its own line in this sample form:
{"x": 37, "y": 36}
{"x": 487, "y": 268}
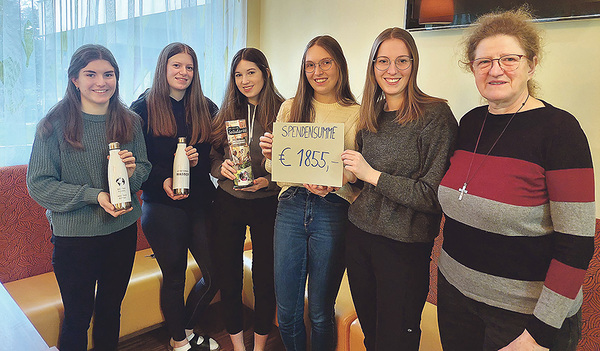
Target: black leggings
{"x": 92, "y": 274}
{"x": 171, "y": 231}
{"x": 232, "y": 215}
{"x": 389, "y": 281}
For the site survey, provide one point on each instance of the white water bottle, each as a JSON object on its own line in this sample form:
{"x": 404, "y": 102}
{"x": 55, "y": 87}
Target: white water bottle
{"x": 118, "y": 180}
{"x": 181, "y": 169}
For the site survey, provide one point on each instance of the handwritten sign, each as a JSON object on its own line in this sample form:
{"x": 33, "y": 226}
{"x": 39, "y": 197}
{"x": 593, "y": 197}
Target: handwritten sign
{"x": 308, "y": 153}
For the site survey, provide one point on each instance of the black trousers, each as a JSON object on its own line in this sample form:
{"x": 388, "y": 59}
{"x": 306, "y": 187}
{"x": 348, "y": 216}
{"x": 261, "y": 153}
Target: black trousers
{"x": 171, "y": 232}
{"x": 389, "y": 282}
{"x": 466, "y": 324}
{"x": 92, "y": 274}
{"x": 232, "y": 215}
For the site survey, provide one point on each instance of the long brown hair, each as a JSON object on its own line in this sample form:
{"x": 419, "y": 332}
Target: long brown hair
{"x": 161, "y": 121}
{"x": 234, "y": 103}
{"x": 373, "y": 100}
{"x": 302, "y": 109}
{"x": 120, "y": 120}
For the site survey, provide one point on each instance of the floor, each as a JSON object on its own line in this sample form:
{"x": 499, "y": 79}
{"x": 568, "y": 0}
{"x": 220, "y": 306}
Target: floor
{"x": 158, "y": 339}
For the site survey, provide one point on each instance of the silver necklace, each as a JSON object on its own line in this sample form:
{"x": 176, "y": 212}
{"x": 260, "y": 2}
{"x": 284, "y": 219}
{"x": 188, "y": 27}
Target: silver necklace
{"x": 251, "y": 123}
{"x": 463, "y": 190}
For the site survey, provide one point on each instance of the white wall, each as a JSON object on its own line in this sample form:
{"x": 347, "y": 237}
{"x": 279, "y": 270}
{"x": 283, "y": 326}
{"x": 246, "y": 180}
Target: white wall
{"x": 569, "y": 75}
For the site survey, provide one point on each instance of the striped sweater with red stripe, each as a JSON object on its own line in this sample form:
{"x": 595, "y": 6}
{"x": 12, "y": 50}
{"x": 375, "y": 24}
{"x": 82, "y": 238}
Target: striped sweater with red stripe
{"x": 521, "y": 237}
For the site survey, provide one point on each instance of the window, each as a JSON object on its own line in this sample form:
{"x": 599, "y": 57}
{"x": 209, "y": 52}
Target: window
{"x": 39, "y": 36}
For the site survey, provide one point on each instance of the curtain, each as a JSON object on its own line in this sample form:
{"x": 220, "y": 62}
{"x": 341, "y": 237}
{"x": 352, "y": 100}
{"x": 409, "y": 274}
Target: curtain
{"x": 38, "y": 38}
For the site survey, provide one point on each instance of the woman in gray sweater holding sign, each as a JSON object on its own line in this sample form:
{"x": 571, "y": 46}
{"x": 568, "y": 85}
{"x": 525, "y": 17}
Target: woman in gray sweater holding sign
{"x": 404, "y": 141}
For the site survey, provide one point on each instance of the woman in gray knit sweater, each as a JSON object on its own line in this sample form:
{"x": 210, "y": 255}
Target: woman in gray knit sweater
{"x": 404, "y": 138}
{"x": 94, "y": 243}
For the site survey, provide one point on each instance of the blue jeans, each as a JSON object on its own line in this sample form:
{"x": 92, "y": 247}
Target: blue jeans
{"x": 309, "y": 241}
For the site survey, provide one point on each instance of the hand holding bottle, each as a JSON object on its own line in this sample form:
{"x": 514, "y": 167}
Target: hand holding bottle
{"x": 129, "y": 161}
{"x": 168, "y": 188}
{"x": 259, "y": 183}
{"x": 192, "y": 155}
{"x": 227, "y": 169}
{"x": 104, "y": 202}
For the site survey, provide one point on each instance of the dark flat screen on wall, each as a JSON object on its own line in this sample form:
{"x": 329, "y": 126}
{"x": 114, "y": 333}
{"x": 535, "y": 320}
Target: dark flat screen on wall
{"x": 437, "y": 14}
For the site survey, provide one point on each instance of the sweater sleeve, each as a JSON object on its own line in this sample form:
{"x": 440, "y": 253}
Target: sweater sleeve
{"x": 570, "y": 184}
{"x": 44, "y": 178}
{"x": 435, "y": 144}
{"x": 359, "y": 184}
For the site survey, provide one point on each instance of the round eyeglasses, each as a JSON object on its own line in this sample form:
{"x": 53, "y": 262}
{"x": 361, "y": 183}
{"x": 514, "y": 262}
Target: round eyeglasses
{"x": 325, "y": 65}
{"x": 383, "y": 63}
{"x": 508, "y": 63}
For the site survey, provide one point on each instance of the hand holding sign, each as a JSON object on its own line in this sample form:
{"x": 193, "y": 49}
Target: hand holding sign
{"x": 266, "y": 144}
{"x": 307, "y": 153}
{"x": 356, "y": 163}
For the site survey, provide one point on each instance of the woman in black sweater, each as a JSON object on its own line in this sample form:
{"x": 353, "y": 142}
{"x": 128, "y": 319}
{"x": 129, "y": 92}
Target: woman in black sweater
{"x": 175, "y": 107}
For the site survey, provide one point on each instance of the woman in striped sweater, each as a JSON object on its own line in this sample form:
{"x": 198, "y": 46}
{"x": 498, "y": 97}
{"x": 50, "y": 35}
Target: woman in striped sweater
{"x": 520, "y": 215}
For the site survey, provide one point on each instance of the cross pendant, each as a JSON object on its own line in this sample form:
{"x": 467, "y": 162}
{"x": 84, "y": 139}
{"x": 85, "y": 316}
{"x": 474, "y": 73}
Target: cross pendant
{"x": 463, "y": 191}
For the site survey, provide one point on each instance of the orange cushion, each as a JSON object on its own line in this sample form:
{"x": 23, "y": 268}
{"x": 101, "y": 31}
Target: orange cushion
{"x": 39, "y": 298}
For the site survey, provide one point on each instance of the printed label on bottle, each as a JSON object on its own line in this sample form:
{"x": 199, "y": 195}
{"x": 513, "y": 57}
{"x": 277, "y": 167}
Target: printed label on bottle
{"x": 181, "y": 170}
{"x": 118, "y": 182}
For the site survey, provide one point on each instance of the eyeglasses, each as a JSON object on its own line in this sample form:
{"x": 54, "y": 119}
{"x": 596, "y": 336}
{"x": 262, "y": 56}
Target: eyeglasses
{"x": 383, "y": 63}
{"x": 325, "y": 65}
{"x": 508, "y": 63}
